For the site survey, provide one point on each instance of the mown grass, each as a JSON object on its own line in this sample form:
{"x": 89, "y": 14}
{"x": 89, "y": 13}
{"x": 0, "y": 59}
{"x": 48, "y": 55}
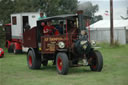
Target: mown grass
{"x": 14, "y": 70}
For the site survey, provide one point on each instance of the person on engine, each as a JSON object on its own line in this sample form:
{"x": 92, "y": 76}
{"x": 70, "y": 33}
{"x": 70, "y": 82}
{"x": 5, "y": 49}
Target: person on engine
{"x": 49, "y": 29}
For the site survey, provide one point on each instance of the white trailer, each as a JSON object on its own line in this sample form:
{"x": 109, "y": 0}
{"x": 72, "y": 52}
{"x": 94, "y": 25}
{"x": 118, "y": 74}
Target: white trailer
{"x": 18, "y": 23}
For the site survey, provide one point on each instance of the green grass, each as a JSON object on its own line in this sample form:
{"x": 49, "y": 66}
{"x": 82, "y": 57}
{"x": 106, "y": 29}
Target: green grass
{"x": 14, "y": 71}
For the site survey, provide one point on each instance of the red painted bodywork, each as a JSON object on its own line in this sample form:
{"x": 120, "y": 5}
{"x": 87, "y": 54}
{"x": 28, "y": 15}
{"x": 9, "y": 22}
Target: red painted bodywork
{"x": 2, "y": 53}
{"x": 8, "y": 44}
{"x": 8, "y": 24}
{"x": 16, "y": 42}
{"x": 49, "y": 45}
{"x": 18, "y": 46}
{"x": 9, "y": 41}
{"x": 29, "y": 38}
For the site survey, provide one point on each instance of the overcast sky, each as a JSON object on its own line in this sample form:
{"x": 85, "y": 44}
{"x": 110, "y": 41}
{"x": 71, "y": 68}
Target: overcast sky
{"x": 120, "y": 7}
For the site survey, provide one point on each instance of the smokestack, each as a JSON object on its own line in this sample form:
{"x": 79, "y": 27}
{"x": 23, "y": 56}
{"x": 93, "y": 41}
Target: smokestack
{"x": 81, "y": 20}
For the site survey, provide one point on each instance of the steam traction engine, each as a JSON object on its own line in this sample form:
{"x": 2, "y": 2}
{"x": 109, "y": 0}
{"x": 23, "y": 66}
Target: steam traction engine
{"x": 71, "y": 48}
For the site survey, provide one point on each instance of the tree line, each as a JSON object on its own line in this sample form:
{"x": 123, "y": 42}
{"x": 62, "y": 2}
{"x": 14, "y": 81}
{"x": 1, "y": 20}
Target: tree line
{"x": 50, "y": 7}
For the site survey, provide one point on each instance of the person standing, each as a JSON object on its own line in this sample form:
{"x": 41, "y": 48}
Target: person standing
{"x": 42, "y": 16}
{"x": 48, "y": 29}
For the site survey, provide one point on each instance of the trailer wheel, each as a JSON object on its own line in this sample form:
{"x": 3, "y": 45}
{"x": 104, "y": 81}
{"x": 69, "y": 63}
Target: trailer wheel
{"x": 10, "y": 49}
{"x": 96, "y": 61}
{"x": 33, "y": 60}
{"x": 62, "y": 63}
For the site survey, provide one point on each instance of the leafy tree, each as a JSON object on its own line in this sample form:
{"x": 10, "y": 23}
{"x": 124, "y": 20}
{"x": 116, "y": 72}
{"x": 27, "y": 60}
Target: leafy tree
{"x": 2, "y": 37}
{"x": 50, "y": 7}
{"x": 23, "y": 6}
{"x": 90, "y": 10}
{"x": 68, "y": 6}
{"x": 55, "y": 7}
{"x": 6, "y": 8}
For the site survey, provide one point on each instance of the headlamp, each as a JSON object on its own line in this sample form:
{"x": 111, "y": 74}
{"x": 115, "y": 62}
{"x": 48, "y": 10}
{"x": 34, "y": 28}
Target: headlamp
{"x": 93, "y": 43}
{"x": 61, "y": 44}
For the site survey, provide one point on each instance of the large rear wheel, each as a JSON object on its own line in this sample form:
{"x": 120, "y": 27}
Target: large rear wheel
{"x": 62, "y": 63}
{"x": 96, "y": 61}
{"x": 33, "y": 60}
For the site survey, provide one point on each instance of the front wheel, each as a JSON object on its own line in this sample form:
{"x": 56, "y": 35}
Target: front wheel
{"x": 96, "y": 61}
{"x": 62, "y": 63}
{"x": 33, "y": 60}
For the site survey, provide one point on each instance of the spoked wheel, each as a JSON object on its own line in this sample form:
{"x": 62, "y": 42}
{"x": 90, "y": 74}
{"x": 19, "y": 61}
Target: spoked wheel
{"x": 33, "y": 60}
{"x": 96, "y": 61}
{"x": 62, "y": 63}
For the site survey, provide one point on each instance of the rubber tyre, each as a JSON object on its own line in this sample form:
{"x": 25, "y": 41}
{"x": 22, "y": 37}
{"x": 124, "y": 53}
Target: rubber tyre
{"x": 97, "y": 61}
{"x": 10, "y": 49}
{"x": 33, "y": 60}
{"x": 62, "y": 63}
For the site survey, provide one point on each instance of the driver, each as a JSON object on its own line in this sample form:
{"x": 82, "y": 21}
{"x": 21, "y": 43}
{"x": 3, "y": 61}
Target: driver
{"x": 48, "y": 29}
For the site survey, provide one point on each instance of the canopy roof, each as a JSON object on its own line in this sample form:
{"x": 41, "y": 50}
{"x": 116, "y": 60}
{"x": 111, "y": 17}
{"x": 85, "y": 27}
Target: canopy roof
{"x": 65, "y": 16}
{"x": 106, "y": 24}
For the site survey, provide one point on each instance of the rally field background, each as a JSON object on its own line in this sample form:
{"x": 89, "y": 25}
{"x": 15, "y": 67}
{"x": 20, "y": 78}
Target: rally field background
{"x": 14, "y": 70}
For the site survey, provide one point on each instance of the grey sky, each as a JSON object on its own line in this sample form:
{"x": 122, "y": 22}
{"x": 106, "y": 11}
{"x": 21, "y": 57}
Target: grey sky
{"x": 120, "y": 7}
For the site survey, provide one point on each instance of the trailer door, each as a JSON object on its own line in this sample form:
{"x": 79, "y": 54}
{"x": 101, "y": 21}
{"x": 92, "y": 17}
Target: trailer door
{"x": 25, "y": 21}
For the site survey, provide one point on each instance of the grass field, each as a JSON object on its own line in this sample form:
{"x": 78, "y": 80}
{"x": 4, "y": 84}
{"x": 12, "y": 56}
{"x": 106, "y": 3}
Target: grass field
{"x": 14, "y": 71}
